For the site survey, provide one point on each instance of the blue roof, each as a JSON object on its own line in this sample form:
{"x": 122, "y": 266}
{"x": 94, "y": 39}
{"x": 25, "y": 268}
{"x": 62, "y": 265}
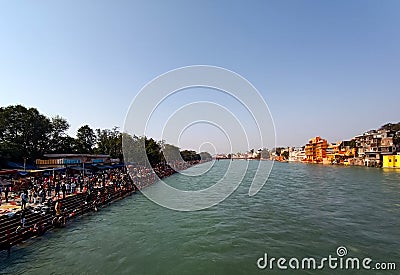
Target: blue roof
{"x": 21, "y": 165}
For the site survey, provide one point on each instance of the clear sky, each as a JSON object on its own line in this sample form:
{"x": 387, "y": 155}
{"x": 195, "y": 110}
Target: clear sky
{"x": 328, "y": 68}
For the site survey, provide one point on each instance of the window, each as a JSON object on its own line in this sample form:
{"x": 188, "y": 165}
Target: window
{"x": 390, "y": 160}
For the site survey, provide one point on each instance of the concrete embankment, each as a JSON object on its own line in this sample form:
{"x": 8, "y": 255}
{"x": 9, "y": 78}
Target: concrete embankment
{"x": 40, "y": 219}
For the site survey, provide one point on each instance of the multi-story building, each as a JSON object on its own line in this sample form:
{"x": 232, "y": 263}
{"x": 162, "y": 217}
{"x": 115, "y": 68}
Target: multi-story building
{"x": 297, "y": 154}
{"x": 316, "y": 150}
{"x": 373, "y": 145}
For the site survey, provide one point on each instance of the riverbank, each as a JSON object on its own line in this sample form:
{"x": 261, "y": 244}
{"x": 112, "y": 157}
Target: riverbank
{"x": 18, "y": 225}
{"x": 303, "y": 210}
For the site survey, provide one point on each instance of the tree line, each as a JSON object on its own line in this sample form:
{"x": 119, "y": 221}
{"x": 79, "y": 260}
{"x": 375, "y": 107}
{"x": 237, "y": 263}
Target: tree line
{"x": 25, "y": 133}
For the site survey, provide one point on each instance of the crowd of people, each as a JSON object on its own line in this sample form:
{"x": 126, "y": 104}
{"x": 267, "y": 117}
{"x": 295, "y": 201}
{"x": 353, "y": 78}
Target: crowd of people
{"x": 143, "y": 176}
{"x": 36, "y": 190}
{"x": 44, "y": 194}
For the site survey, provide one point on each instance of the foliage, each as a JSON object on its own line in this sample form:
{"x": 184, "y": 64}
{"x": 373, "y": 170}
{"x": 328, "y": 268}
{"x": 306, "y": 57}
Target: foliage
{"x": 171, "y": 153}
{"x": 395, "y": 127}
{"x": 264, "y": 153}
{"x": 285, "y": 154}
{"x": 109, "y": 142}
{"x": 24, "y": 132}
{"x": 59, "y": 141}
{"x": 27, "y": 134}
{"x": 153, "y": 151}
{"x": 85, "y": 140}
{"x": 205, "y": 156}
{"x": 188, "y": 155}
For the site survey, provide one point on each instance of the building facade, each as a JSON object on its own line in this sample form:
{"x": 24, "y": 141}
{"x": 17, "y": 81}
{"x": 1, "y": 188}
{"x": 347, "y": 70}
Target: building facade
{"x": 315, "y": 150}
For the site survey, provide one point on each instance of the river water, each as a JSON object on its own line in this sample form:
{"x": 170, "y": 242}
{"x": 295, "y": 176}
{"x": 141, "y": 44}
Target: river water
{"x": 302, "y": 211}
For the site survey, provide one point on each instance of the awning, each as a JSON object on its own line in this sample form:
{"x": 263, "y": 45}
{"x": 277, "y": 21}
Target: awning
{"x": 78, "y": 168}
{"x": 18, "y": 165}
{"x": 8, "y": 172}
{"x": 105, "y": 167}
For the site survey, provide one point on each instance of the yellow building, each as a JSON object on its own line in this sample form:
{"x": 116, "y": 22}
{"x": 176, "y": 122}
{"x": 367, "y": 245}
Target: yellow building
{"x": 316, "y": 150}
{"x": 391, "y": 161}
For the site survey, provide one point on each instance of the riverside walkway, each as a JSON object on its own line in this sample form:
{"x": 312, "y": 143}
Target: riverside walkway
{"x": 31, "y": 222}
{"x": 18, "y": 225}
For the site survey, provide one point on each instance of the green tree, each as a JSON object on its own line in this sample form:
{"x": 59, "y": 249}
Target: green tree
{"x": 188, "y": 155}
{"x": 264, "y": 153}
{"x": 171, "y": 153}
{"x": 285, "y": 154}
{"x": 85, "y": 140}
{"x": 24, "y": 133}
{"x": 133, "y": 149}
{"x": 109, "y": 142}
{"x": 59, "y": 141}
{"x": 205, "y": 156}
{"x": 153, "y": 151}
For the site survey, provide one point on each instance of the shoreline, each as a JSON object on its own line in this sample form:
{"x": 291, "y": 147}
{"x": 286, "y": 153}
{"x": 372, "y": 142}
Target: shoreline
{"x": 26, "y": 224}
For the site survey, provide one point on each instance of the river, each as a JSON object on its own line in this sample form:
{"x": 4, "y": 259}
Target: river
{"x": 303, "y": 210}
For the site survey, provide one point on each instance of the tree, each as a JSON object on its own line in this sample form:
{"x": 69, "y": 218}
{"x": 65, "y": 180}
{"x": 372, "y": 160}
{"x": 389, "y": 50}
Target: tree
{"x": 59, "y": 141}
{"x": 264, "y": 153}
{"x": 205, "y": 156}
{"x": 24, "y": 132}
{"x": 285, "y": 154}
{"x": 153, "y": 151}
{"x": 109, "y": 142}
{"x": 188, "y": 155}
{"x": 352, "y": 144}
{"x": 133, "y": 149}
{"x": 85, "y": 140}
{"x": 171, "y": 153}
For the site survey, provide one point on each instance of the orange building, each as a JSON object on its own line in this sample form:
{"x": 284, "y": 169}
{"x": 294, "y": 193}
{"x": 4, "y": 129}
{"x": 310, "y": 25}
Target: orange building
{"x": 316, "y": 150}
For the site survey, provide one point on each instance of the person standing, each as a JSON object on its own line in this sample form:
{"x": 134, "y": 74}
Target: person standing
{"x": 68, "y": 187}
{"x": 42, "y": 195}
{"x": 23, "y": 219}
{"x": 63, "y": 189}
{"x": 34, "y": 195}
{"x": 6, "y": 193}
{"x": 30, "y": 194}
{"x": 24, "y": 199}
{"x": 49, "y": 188}
{"x": 57, "y": 190}
{"x": 73, "y": 187}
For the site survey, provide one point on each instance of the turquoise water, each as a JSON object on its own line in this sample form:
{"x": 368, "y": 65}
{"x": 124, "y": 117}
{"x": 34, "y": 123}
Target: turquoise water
{"x": 302, "y": 211}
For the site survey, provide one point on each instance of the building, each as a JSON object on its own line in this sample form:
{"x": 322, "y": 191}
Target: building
{"x": 71, "y": 160}
{"x": 297, "y": 154}
{"x": 373, "y": 145}
{"x": 391, "y": 161}
{"x": 315, "y": 150}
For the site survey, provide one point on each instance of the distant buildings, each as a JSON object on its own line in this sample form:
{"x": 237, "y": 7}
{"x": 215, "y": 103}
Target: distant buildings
{"x": 297, "y": 154}
{"x": 316, "y": 150}
{"x": 375, "y": 148}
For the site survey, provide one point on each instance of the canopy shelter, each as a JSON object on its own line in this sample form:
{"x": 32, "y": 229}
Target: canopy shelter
{"x": 105, "y": 167}
{"x": 8, "y": 172}
{"x": 79, "y": 168}
{"x": 18, "y": 165}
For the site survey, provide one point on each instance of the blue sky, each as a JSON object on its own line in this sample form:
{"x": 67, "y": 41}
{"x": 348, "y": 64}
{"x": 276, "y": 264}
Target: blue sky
{"x": 328, "y": 68}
